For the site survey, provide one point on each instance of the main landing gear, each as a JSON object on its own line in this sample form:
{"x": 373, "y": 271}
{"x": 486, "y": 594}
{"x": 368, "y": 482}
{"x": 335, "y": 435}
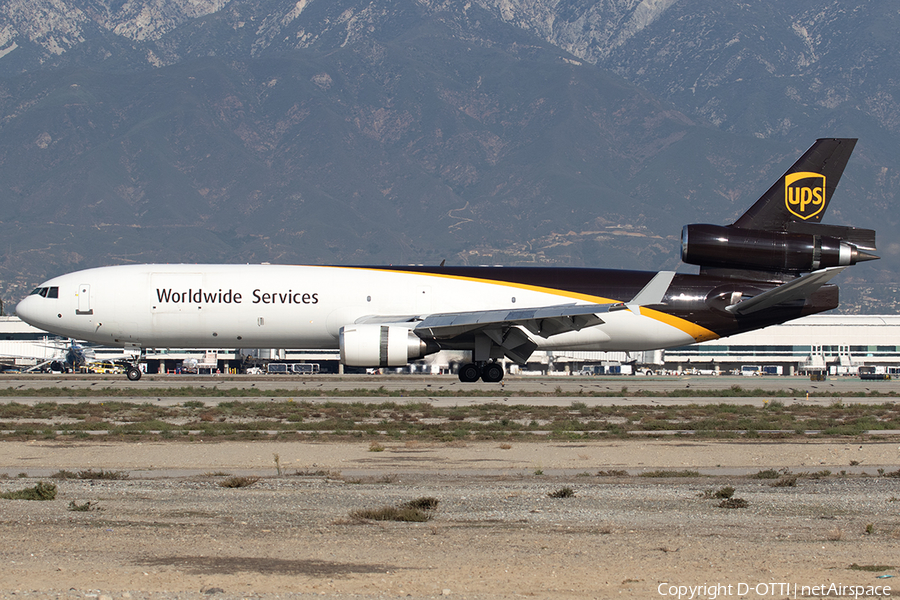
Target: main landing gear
{"x": 489, "y": 372}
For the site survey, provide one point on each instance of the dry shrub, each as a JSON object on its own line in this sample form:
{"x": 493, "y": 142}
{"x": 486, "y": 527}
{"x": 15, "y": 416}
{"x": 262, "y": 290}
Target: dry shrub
{"x": 766, "y": 474}
{"x": 415, "y": 511}
{"x": 91, "y": 474}
{"x": 786, "y": 481}
{"x": 238, "y": 482}
{"x": 423, "y": 503}
{"x": 42, "y": 491}
{"x": 724, "y": 492}
{"x": 734, "y": 503}
{"x": 871, "y": 568}
{"x": 719, "y": 494}
{"x": 386, "y": 478}
{"x": 86, "y": 507}
{"x": 317, "y": 473}
{"x": 670, "y": 473}
{"x": 391, "y": 513}
{"x": 563, "y": 492}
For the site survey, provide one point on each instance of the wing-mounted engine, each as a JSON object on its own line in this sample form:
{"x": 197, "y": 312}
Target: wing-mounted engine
{"x": 373, "y": 345}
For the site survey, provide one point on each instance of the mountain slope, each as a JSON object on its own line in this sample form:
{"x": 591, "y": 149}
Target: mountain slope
{"x": 369, "y": 132}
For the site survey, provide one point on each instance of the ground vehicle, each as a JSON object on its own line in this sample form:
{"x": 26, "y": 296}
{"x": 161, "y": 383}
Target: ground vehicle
{"x": 106, "y": 368}
{"x": 872, "y": 374}
{"x": 292, "y": 368}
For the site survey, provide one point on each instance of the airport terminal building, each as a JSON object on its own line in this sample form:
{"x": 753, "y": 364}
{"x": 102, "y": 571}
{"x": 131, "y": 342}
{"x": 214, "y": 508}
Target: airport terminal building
{"x": 830, "y": 344}
{"x": 836, "y": 345}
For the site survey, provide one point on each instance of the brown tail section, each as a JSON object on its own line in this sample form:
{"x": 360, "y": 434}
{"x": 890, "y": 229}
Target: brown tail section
{"x": 781, "y": 235}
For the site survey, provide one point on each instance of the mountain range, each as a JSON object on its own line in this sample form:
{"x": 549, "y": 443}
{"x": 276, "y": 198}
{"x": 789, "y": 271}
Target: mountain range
{"x": 542, "y": 132}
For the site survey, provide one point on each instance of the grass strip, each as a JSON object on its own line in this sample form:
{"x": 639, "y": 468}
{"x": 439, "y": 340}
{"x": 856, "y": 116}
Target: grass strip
{"x": 415, "y": 419}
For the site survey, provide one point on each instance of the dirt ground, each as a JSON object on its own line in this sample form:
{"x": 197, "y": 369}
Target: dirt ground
{"x": 170, "y": 530}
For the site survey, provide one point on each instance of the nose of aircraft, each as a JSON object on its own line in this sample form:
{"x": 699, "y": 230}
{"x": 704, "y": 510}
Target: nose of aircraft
{"x": 27, "y": 310}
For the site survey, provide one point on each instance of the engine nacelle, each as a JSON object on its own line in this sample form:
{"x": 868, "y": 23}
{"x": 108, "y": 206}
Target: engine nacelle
{"x": 777, "y": 251}
{"x": 372, "y": 345}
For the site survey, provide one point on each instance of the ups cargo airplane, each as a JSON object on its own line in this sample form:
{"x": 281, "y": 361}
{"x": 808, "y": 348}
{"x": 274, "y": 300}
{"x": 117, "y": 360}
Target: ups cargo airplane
{"x": 770, "y": 266}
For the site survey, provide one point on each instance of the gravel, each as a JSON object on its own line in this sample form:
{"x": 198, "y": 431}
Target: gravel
{"x": 496, "y": 532}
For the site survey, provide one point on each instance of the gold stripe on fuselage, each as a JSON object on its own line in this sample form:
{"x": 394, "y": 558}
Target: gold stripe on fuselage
{"x": 698, "y": 332}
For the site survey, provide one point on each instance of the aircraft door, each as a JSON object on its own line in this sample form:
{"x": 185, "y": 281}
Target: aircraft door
{"x": 84, "y": 300}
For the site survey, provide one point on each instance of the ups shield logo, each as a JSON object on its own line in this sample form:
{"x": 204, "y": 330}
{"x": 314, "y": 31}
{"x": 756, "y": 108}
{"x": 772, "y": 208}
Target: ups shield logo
{"x": 804, "y": 194}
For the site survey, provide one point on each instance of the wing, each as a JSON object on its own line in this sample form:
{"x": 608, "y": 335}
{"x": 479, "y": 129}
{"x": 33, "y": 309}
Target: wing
{"x": 480, "y": 329}
{"x": 504, "y": 327}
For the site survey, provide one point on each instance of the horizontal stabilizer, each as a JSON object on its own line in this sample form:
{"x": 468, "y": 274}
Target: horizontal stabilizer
{"x": 864, "y": 239}
{"x": 797, "y": 289}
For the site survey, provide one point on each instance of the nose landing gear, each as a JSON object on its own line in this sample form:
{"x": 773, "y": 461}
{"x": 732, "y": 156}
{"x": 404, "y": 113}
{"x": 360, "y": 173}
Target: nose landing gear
{"x": 134, "y": 370}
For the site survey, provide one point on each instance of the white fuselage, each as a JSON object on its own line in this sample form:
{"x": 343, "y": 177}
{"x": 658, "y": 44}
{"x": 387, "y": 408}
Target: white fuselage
{"x": 281, "y": 306}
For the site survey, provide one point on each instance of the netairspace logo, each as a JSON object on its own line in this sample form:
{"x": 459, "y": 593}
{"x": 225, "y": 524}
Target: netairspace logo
{"x": 716, "y": 591}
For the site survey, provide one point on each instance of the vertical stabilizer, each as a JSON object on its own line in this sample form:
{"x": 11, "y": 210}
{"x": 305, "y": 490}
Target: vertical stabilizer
{"x": 802, "y": 194}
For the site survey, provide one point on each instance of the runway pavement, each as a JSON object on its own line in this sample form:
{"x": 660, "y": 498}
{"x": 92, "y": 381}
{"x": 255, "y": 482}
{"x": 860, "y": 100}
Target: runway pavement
{"x": 449, "y": 391}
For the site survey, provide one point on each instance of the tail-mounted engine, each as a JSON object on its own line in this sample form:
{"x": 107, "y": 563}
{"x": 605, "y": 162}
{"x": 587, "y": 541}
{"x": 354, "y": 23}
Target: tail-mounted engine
{"x": 371, "y": 345}
{"x": 792, "y": 252}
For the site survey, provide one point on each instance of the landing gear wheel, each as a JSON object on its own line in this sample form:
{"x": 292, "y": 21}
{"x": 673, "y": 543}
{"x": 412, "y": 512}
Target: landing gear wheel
{"x": 469, "y": 372}
{"x": 133, "y": 373}
{"x": 492, "y": 372}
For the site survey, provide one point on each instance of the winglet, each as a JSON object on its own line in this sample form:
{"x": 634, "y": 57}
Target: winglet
{"x": 653, "y": 292}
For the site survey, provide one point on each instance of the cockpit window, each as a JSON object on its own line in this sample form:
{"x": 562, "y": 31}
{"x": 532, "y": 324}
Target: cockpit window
{"x": 46, "y": 292}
